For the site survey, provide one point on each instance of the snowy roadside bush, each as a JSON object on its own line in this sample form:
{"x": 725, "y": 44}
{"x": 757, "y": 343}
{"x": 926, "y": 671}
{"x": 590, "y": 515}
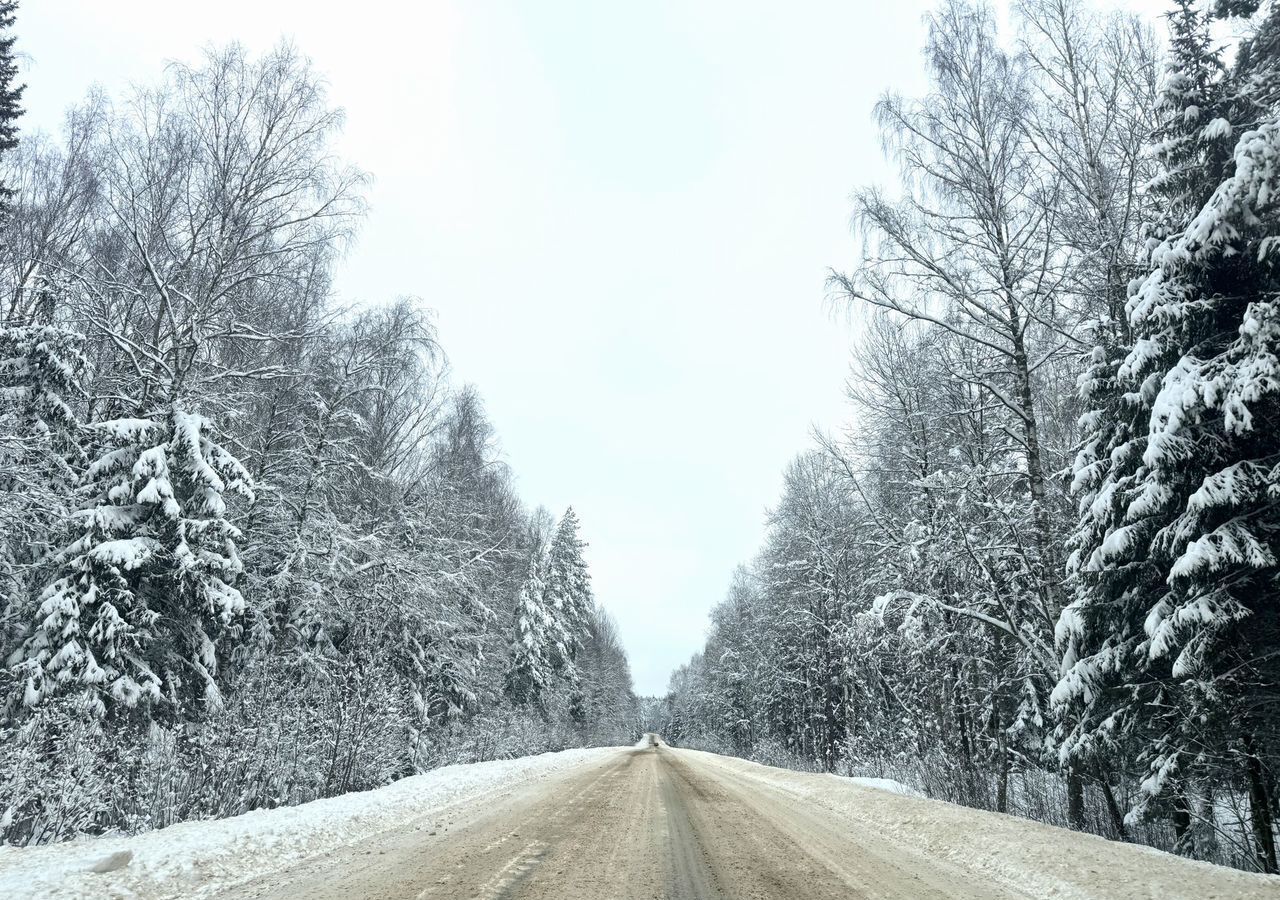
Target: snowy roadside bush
{"x": 772, "y": 752}
{"x": 57, "y": 777}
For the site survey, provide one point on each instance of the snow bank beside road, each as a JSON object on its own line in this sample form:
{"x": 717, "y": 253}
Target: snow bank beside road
{"x": 1038, "y": 860}
{"x": 196, "y": 859}
{"x": 882, "y": 784}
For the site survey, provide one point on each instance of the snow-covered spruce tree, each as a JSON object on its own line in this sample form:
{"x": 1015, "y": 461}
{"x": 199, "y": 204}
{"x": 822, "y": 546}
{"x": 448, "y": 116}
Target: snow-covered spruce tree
{"x": 1173, "y": 629}
{"x": 144, "y": 591}
{"x": 552, "y": 619}
{"x": 1099, "y": 634}
{"x": 536, "y": 640}
{"x": 568, "y": 593}
{"x": 10, "y": 90}
{"x": 41, "y": 367}
{"x": 41, "y": 370}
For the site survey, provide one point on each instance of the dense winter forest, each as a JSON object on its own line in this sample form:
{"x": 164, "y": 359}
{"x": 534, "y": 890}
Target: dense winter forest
{"x": 255, "y": 548}
{"x": 1038, "y": 573}
{"x": 259, "y": 546}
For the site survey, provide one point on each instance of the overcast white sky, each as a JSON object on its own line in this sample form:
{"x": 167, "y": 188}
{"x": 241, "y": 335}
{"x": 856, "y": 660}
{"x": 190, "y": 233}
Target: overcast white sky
{"x": 623, "y": 215}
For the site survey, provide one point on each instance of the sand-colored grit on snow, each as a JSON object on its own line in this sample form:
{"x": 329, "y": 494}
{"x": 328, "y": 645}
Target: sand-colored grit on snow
{"x": 653, "y": 822}
{"x": 656, "y": 822}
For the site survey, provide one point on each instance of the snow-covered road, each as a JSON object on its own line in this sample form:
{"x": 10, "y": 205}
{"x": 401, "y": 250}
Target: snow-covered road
{"x": 636, "y": 823}
{"x": 204, "y": 859}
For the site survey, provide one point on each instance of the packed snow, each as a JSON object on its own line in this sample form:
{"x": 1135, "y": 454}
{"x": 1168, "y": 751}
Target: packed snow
{"x": 884, "y": 784}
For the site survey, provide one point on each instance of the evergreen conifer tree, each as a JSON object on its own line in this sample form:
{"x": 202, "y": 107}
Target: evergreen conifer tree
{"x": 553, "y": 617}
{"x": 530, "y": 669}
{"x": 1175, "y": 558}
{"x": 41, "y": 372}
{"x": 145, "y": 589}
{"x": 568, "y": 592}
{"x": 10, "y": 90}
{"x": 41, "y": 367}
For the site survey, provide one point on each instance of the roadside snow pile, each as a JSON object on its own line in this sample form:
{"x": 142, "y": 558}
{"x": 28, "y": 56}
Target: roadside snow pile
{"x": 196, "y": 859}
{"x": 882, "y": 784}
{"x": 1039, "y": 860}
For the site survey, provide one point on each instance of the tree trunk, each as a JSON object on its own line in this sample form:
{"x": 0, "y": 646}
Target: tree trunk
{"x": 1002, "y": 774}
{"x": 1075, "y": 799}
{"x": 1045, "y": 543}
{"x": 1113, "y": 809}
{"x": 1002, "y": 781}
{"x": 1181, "y": 818}
{"x": 1259, "y": 808}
